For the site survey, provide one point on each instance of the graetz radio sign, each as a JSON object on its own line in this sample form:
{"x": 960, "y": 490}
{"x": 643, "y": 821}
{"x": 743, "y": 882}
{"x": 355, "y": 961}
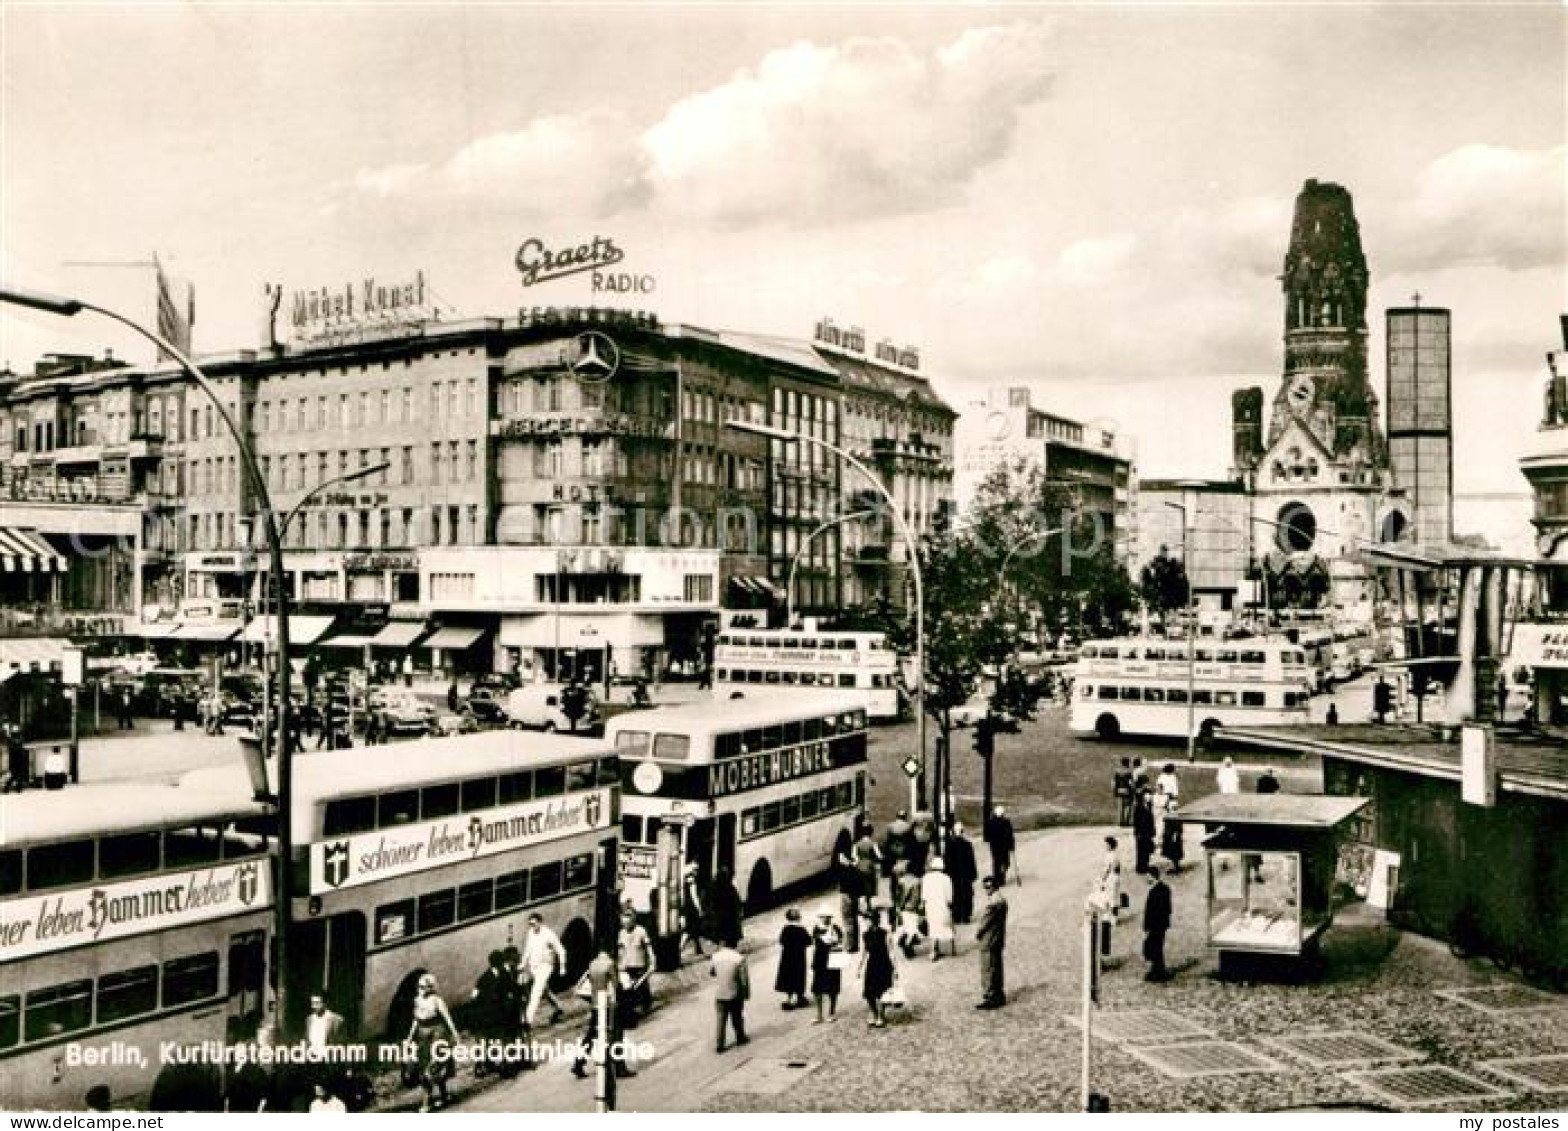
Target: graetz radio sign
{"x": 60, "y": 920}
{"x": 369, "y": 857}
{"x": 539, "y": 263}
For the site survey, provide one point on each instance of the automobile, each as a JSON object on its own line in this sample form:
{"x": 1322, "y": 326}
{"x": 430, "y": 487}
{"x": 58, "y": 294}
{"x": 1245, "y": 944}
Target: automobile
{"x": 405, "y": 712}
{"x": 498, "y": 683}
{"x": 538, "y": 705}
{"x": 137, "y": 665}
{"x": 487, "y": 704}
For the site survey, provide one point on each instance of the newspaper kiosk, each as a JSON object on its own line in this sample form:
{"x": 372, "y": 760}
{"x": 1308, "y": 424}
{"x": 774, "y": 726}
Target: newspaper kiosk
{"x": 1271, "y": 861}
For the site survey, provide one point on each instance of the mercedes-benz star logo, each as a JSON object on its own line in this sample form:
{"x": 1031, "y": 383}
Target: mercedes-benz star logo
{"x": 597, "y": 357}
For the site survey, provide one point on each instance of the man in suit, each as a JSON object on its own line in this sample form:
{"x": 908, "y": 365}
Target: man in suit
{"x": 492, "y": 1005}
{"x": 999, "y": 836}
{"x": 730, "y": 993}
{"x": 963, "y": 871}
{"x": 992, "y": 939}
{"x": 1156, "y": 922}
{"x": 324, "y": 1032}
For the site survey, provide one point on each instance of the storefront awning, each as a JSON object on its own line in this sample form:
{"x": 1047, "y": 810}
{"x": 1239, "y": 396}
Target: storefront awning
{"x": 346, "y": 642}
{"x": 26, "y": 551}
{"x": 755, "y": 584}
{"x": 453, "y": 639}
{"x": 303, "y": 631}
{"x": 205, "y": 632}
{"x": 398, "y": 634}
{"x": 1279, "y": 810}
{"x": 157, "y": 630}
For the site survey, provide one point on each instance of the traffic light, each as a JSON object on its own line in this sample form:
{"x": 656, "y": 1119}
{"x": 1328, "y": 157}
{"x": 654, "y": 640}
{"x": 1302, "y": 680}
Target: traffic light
{"x": 985, "y": 737}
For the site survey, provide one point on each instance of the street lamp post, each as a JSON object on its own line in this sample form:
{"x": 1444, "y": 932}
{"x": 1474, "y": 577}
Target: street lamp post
{"x": 915, "y": 790}
{"x": 283, "y": 896}
{"x": 1192, "y": 632}
{"x": 789, "y": 584}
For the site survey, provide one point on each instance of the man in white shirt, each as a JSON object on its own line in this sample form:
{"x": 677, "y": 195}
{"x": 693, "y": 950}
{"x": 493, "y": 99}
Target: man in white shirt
{"x": 1226, "y": 779}
{"x": 543, "y": 955}
{"x": 323, "y": 1028}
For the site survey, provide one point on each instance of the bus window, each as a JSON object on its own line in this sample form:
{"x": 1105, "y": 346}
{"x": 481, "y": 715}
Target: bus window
{"x": 516, "y": 787}
{"x": 748, "y": 823}
{"x": 1252, "y": 699}
{"x": 827, "y": 799}
{"x": 239, "y": 842}
{"x": 59, "y": 1009}
{"x": 846, "y": 794}
{"x": 60, "y": 865}
{"x": 632, "y": 744}
{"x": 1226, "y": 655}
{"x": 672, "y": 747}
{"x": 726, "y": 745}
{"x": 791, "y": 677}
{"x": 550, "y": 781}
{"x": 190, "y": 979}
{"x": 829, "y": 726}
{"x": 400, "y": 808}
{"x": 437, "y": 909}
{"x": 545, "y": 882}
{"x": 128, "y": 855}
{"x": 846, "y": 645}
{"x": 770, "y": 677}
{"x": 1225, "y": 698}
{"x": 196, "y": 845}
{"x": 808, "y": 805}
{"x": 813, "y": 729}
{"x": 1203, "y": 697}
{"x": 722, "y": 674}
{"x": 10, "y": 871}
{"x": 792, "y": 734}
{"x": 808, "y": 645}
{"x": 756, "y": 642}
{"x": 789, "y": 811}
{"x": 579, "y": 873}
{"x": 609, "y": 771}
{"x": 349, "y": 816}
{"x": 474, "y": 900}
{"x": 770, "y": 816}
{"x": 10, "y": 1021}
{"x": 631, "y": 828}
{"x": 1090, "y": 652}
{"x": 654, "y": 825}
{"x": 1135, "y": 694}
{"x": 789, "y": 642}
{"x": 1252, "y": 657}
{"x": 1175, "y": 694}
{"x": 772, "y": 737}
{"x": 846, "y": 680}
{"x": 580, "y": 776}
{"x": 1153, "y": 695}
{"x": 1107, "y": 691}
{"x": 395, "y": 921}
{"x": 127, "y": 993}
{"x": 511, "y": 890}
{"x": 438, "y": 801}
{"x": 479, "y": 793}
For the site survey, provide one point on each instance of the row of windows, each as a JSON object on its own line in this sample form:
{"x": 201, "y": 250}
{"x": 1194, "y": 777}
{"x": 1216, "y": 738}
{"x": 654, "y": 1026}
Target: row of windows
{"x": 337, "y": 528}
{"x": 813, "y": 805}
{"x": 71, "y": 1007}
{"x": 352, "y": 815}
{"x": 1200, "y": 696}
{"x": 438, "y": 910}
{"x": 451, "y": 461}
{"x": 757, "y": 740}
{"x": 1204, "y": 654}
{"x": 808, "y": 643}
{"x": 73, "y": 863}
{"x": 385, "y": 406}
{"x": 804, "y": 679}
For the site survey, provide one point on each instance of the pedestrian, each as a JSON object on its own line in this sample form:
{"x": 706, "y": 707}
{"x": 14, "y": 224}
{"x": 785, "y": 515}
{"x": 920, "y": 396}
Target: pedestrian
{"x": 849, "y": 888}
{"x": 634, "y": 956}
{"x": 918, "y": 846}
{"x": 511, "y": 1021}
{"x": 1000, "y": 839}
{"x": 18, "y": 760}
{"x": 373, "y": 729}
{"x": 1172, "y": 846}
{"x": 908, "y": 908}
{"x": 1121, "y": 787}
{"x": 488, "y": 1006}
{"x": 876, "y": 966}
{"x": 730, "y": 993}
{"x": 936, "y": 896}
{"x": 1226, "y": 779}
{"x": 961, "y": 869}
{"x": 868, "y": 863}
{"x": 1140, "y": 776}
{"x": 408, "y": 671}
{"x": 127, "y": 722}
{"x": 991, "y": 936}
{"x": 827, "y": 960}
{"x": 1143, "y": 830}
{"x": 895, "y": 850}
{"x": 543, "y": 956}
{"x": 1502, "y": 696}
{"x": 1268, "y": 783}
{"x": 432, "y": 1035}
{"x": 1167, "y": 786}
{"x": 55, "y": 769}
{"x": 323, "y": 1102}
{"x": 794, "y": 957}
{"x": 452, "y": 697}
{"x": 603, "y": 980}
{"x": 1156, "y": 922}
{"x": 694, "y": 907}
{"x": 176, "y": 701}
{"x": 724, "y": 905}
{"x": 1332, "y": 718}
{"x": 1108, "y": 894}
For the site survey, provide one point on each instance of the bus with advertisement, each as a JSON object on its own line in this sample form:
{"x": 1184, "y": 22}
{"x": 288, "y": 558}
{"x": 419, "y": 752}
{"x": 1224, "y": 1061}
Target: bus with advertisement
{"x": 808, "y": 661}
{"x": 130, "y": 915}
{"x": 768, "y": 789}
{"x": 433, "y": 852}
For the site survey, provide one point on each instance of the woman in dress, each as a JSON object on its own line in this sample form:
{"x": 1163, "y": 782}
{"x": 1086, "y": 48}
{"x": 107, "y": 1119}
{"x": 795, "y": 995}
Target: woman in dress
{"x": 794, "y": 946}
{"x": 876, "y": 965}
{"x": 906, "y": 886}
{"x": 936, "y": 895}
{"x": 433, "y": 1035}
{"x": 826, "y": 941}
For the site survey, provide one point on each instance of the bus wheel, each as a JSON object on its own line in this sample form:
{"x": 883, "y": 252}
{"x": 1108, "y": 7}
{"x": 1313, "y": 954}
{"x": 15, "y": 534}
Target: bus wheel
{"x": 577, "y": 941}
{"x": 759, "y": 889}
{"x": 1107, "y": 727}
{"x": 1206, "y": 731}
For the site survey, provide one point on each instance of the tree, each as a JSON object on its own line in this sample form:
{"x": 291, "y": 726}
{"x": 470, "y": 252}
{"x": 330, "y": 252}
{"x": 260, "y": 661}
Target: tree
{"x": 1163, "y": 583}
{"x": 574, "y": 704}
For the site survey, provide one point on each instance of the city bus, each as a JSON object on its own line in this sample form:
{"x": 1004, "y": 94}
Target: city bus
{"x": 1141, "y": 686}
{"x": 752, "y": 660}
{"x": 130, "y": 915}
{"x": 768, "y": 789}
{"x": 426, "y": 855}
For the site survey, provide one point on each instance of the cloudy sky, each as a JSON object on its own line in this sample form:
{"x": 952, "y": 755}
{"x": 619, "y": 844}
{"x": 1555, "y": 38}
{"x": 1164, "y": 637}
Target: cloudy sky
{"x": 1092, "y": 200}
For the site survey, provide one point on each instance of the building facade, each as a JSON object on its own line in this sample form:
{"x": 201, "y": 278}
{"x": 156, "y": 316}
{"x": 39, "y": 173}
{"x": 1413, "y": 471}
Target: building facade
{"x": 1420, "y": 418}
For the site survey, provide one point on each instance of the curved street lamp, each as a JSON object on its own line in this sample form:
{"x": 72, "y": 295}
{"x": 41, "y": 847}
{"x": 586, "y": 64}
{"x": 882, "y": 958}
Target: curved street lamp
{"x": 789, "y": 583}
{"x": 69, "y": 308}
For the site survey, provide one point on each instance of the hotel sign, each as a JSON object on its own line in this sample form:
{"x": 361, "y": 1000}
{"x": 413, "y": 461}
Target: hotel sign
{"x": 370, "y": 857}
{"x": 49, "y": 923}
{"x": 1540, "y": 646}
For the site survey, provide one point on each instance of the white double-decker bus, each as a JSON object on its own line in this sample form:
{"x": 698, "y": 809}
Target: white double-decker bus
{"x": 787, "y": 659}
{"x": 765, "y": 788}
{"x": 1141, "y": 686}
{"x": 130, "y": 915}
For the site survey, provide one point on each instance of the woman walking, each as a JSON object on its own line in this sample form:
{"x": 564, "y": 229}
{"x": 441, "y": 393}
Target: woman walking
{"x": 433, "y": 1034}
{"x": 827, "y": 955}
{"x": 907, "y": 891}
{"x": 876, "y": 966}
{"x": 936, "y": 893}
{"x": 794, "y": 948}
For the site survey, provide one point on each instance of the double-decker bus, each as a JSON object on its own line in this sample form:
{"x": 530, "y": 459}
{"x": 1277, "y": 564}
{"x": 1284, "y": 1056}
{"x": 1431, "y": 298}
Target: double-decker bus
{"x": 426, "y": 855}
{"x": 1142, "y": 686}
{"x": 130, "y": 915}
{"x": 767, "y": 788}
{"x": 752, "y": 660}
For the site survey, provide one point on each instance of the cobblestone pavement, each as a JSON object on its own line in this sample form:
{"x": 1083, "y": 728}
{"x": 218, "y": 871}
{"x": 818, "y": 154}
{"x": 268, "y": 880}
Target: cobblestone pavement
{"x": 943, "y": 1055}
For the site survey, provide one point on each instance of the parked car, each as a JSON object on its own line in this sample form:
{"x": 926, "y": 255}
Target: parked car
{"x": 538, "y": 705}
{"x": 487, "y": 704}
{"x": 405, "y": 712}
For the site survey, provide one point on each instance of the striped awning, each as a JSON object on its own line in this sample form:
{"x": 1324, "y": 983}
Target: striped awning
{"x": 27, "y": 551}
{"x": 303, "y": 630}
{"x": 399, "y": 634}
{"x": 215, "y": 632}
{"x": 452, "y": 639}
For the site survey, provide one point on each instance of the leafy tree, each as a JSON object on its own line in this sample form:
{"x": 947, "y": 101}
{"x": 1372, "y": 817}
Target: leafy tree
{"x": 1163, "y": 583}
{"x": 574, "y": 704}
